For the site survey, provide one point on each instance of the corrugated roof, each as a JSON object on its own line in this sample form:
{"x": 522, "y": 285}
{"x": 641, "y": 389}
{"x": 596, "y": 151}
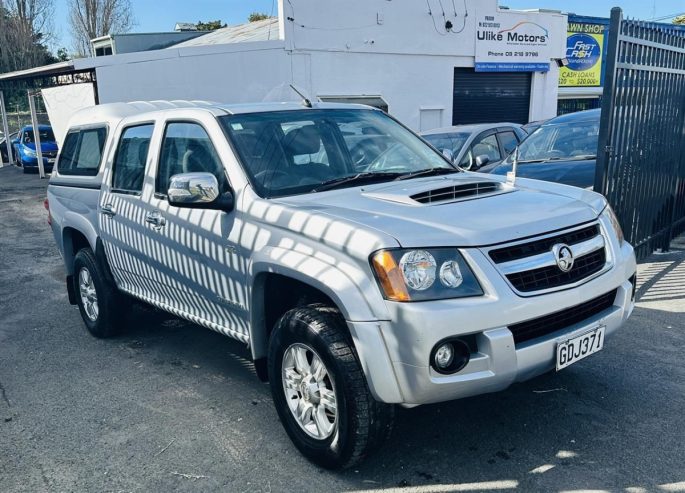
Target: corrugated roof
{"x": 263, "y": 30}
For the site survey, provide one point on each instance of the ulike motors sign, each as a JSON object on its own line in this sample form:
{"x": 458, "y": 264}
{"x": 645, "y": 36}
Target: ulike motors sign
{"x": 512, "y": 42}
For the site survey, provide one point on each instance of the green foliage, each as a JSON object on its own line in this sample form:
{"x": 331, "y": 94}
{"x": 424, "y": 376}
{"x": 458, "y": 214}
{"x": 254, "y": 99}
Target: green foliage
{"x": 63, "y": 54}
{"x": 210, "y": 25}
{"x": 257, "y": 16}
{"x": 679, "y": 20}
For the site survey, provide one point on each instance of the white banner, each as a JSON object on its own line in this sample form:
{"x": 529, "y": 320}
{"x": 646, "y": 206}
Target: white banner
{"x": 515, "y": 41}
{"x": 62, "y": 102}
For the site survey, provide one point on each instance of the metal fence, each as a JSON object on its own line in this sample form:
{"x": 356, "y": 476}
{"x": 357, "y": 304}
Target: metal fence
{"x": 641, "y": 152}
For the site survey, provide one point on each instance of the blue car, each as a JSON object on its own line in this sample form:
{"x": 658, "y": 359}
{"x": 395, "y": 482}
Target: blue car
{"x": 25, "y": 148}
{"x": 562, "y": 150}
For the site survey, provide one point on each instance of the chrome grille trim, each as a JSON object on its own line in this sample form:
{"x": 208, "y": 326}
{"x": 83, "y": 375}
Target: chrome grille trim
{"x": 547, "y": 259}
{"x": 544, "y": 260}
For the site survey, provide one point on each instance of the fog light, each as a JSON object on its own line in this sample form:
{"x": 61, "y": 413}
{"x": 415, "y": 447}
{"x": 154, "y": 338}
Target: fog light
{"x": 444, "y": 356}
{"x": 450, "y": 356}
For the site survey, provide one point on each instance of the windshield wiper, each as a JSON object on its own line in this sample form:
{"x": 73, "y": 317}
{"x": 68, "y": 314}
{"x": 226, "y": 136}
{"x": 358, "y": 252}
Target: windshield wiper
{"x": 365, "y": 177}
{"x": 427, "y": 172}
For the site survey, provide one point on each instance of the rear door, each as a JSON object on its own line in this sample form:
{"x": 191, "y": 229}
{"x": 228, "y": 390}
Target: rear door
{"x": 123, "y": 210}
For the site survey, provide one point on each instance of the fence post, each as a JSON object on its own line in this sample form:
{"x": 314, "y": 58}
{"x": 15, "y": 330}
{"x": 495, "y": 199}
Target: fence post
{"x": 604, "y": 149}
{"x": 36, "y": 133}
{"x": 5, "y": 129}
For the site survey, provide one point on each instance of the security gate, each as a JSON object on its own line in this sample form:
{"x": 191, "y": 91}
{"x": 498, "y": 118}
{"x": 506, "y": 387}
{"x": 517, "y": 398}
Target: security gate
{"x": 641, "y": 152}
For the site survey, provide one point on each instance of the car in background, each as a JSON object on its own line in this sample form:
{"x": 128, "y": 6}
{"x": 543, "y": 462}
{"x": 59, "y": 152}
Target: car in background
{"x": 562, "y": 150}
{"x": 476, "y": 147}
{"x": 14, "y": 139}
{"x": 25, "y": 148}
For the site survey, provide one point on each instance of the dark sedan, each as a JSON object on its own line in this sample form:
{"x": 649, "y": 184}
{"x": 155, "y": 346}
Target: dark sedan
{"x": 562, "y": 150}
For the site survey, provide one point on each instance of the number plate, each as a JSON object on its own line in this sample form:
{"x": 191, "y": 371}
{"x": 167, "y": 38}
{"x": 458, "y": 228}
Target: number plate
{"x": 51, "y": 161}
{"x": 568, "y": 352}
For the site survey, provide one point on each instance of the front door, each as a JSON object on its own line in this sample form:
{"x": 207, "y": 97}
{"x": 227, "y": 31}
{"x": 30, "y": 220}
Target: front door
{"x": 200, "y": 261}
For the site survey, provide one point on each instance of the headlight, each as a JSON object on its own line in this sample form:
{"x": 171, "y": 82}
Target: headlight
{"x": 424, "y": 274}
{"x": 611, "y": 216}
{"x": 30, "y": 152}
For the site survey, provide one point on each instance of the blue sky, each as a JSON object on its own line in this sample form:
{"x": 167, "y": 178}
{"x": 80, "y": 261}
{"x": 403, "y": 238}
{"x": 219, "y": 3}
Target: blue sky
{"x": 154, "y": 15}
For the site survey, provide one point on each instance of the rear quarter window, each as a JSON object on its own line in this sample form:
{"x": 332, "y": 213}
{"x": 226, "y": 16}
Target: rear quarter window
{"x": 82, "y": 152}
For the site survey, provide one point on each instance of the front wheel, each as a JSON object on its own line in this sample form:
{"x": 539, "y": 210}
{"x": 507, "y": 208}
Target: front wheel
{"x": 320, "y": 391}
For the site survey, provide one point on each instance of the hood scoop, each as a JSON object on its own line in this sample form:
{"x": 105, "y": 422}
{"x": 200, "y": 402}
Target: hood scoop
{"x": 455, "y": 193}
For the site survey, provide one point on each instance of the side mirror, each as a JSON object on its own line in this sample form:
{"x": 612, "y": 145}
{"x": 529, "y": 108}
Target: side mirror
{"x": 448, "y": 154}
{"x": 481, "y": 160}
{"x": 198, "y": 191}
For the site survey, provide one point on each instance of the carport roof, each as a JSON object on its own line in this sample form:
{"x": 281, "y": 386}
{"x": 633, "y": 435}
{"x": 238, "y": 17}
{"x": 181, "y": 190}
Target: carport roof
{"x": 264, "y": 30}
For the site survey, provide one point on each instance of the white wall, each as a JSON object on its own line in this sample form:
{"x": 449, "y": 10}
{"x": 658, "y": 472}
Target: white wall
{"x": 237, "y": 73}
{"x": 390, "y": 48}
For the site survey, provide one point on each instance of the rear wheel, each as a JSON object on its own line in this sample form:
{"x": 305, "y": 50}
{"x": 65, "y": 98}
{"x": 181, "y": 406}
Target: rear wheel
{"x": 95, "y": 297}
{"x": 320, "y": 391}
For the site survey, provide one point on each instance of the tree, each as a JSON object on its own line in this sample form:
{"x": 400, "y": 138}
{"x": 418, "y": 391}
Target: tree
{"x": 209, "y": 25}
{"x": 25, "y": 27}
{"x": 679, "y": 20}
{"x": 63, "y": 54}
{"x": 257, "y": 16}
{"x": 91, "y": 19}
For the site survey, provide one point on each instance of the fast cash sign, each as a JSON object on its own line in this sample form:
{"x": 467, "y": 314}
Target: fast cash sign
{"x": 513, "y": 41}
{"x": 584, "y": 49}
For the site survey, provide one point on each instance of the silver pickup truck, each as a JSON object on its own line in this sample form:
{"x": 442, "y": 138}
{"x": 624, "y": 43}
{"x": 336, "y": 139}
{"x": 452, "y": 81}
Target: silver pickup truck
{"x": 362, "y": 268}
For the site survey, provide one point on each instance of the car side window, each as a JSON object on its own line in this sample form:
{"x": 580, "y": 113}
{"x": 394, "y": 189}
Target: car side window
{"x": 482, "y": 146}
{"x": 509, "y": 141}
{"x": 186, "y": 148}
{"x": 128, "y": 171}
{"x": 486, "y": 146}
{"x": 82, "y": 152}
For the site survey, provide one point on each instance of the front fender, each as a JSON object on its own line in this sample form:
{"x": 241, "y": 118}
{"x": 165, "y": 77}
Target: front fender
{"x": 355, "y": 294}
{"x": 351, "y": 288}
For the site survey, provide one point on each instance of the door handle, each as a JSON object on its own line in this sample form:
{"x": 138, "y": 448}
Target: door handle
{"x": 156, "y": 219}
{"x": 108, "y": 210}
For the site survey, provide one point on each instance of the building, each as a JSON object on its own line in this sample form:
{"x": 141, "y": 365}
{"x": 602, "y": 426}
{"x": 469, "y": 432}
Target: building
{"x": 430, "y": 64}
{"x": 118, "y": 44}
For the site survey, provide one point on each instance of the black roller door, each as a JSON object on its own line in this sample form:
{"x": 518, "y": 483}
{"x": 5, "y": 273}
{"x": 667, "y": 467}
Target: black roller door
{"x": 489, "y": 97}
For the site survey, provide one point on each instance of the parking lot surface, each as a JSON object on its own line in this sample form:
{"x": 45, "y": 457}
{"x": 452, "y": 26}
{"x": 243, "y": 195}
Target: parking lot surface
{"x": 172, "y": 406}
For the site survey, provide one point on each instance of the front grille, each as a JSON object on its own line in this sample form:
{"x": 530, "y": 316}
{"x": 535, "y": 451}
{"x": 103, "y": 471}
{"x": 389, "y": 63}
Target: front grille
{"x": 536, "y": 247}
{"x": 538, "y": 327}
{"x": 553, "y": 277}
{"x": 49, "y": 153}
{"x": 456, "y": 192}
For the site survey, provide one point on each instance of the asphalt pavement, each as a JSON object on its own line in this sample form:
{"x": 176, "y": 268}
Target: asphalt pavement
{"x": 171, "y": 406}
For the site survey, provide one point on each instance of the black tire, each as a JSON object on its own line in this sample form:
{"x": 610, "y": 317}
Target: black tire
{"x": 108, "y": 319}
{"x": 362, "y": 423}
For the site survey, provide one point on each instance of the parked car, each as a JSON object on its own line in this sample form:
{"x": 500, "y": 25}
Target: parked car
{"x": 476, "y": 147}
{"x": 562, "y": 150}
{"x": 14, "y": 139}
{"x": 25, "y": 148}
{"x": 408, "y": 283}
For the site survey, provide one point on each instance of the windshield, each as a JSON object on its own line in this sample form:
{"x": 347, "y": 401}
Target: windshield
{"x": 569, "y": 141}
{"x": 45, "y": 134}
{"x": 452, "y": 141}
{"x": 292, "y": 152}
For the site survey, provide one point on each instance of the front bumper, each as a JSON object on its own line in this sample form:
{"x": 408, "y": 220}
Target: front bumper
{"x": 414, "y": 328}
